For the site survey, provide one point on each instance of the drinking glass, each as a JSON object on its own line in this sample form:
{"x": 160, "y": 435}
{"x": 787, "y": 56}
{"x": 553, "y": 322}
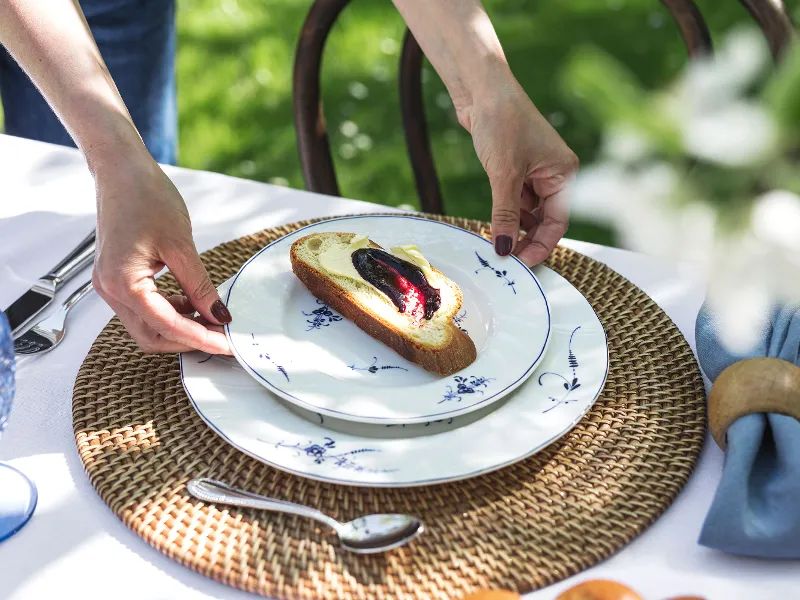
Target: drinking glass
{"x": 17, "y": 492}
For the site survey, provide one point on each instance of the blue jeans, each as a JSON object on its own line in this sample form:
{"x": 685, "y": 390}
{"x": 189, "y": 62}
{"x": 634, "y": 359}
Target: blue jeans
{"x": 137, "y": 41}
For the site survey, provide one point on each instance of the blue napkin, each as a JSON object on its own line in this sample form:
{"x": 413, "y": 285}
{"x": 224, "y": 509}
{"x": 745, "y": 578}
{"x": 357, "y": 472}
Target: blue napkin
{"x": 756, "y": 509}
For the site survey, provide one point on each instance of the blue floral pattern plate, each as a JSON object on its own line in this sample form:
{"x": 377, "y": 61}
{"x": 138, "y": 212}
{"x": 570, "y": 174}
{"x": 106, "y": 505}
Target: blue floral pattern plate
{"x": 311, "y": 444}
{"x": 301, "y": 350}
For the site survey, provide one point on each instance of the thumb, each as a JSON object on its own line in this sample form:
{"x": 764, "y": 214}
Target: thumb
{"x": 193, "y": 279}
{"x": 506, "y": 192}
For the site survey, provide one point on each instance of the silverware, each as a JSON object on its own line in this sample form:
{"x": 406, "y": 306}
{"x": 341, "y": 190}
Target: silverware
{"x": 365, "y": 535}
{"x": 36, "y": 299}
{"x": 48, "y": 333}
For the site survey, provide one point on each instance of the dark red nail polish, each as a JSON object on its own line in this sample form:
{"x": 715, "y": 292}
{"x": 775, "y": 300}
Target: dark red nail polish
{"x": 503, "y": 244}
{"x": 221, "y": 312}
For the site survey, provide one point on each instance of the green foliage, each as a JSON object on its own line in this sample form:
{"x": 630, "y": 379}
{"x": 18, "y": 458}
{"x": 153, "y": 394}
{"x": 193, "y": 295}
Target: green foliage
{"x": 782, "y": 95}
{"x": 608, "y": 91}
{"x": 234, "y": 88}
{"x": 235, "y": 62}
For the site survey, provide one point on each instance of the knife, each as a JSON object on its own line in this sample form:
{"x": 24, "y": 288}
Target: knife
{"x": 36, "y": 299}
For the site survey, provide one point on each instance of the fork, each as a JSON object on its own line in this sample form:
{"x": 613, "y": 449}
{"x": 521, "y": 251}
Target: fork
{"x": 48, "y": 333}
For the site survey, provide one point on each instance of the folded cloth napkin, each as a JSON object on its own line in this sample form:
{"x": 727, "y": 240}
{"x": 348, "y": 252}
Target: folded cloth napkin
{"x": 756, "y": 509}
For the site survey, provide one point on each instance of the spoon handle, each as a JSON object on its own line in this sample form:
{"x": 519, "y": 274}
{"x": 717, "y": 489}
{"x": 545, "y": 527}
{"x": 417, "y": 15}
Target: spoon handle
{"x": 211, "y": 490}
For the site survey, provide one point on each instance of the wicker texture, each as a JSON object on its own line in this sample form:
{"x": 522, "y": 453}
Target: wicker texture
{"x": 523, "y": 527}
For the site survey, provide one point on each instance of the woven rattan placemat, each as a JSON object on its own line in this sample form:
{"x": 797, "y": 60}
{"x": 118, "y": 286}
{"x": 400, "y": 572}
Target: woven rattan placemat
{"x": 523, "y": 527}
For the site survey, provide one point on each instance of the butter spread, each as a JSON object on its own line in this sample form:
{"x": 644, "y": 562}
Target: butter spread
{"x": 412, "y": 254}
{"x": 338, "y": 258}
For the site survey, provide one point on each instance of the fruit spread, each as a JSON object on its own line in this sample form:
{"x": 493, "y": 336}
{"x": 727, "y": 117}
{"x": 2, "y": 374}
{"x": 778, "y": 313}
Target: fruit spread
{"x": 402, "y": 281}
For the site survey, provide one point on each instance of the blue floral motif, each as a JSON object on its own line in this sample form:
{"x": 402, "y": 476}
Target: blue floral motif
{"x": 374, "y": 368}
{"x": 458, "y": 319}
{"x": 324, "y": 452}
{"x": 570, "y": 384}
{"x": 264, "y": 355}
{"x": 321, "y": 317}
{"x": 465, "y": 386}
{"x": 500, "y": 274}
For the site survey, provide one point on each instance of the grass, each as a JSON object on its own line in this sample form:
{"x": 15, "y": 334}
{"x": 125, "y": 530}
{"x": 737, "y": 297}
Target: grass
{"x": 234, "y": 87}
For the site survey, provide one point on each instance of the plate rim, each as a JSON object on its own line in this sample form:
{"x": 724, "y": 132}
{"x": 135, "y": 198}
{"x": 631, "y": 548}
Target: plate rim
{"x": 381, "y": 420}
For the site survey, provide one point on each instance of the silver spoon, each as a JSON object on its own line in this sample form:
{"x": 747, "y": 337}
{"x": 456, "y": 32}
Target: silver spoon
{"x": 365, "y": 535}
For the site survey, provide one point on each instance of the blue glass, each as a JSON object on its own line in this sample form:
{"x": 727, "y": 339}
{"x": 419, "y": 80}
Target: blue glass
{"x": 17, "y": 493}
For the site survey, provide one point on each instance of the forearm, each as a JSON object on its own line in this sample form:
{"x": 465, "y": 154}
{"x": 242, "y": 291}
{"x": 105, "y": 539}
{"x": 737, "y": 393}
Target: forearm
{"x": 459, "y": 40}
{"x": 51, "y": 41}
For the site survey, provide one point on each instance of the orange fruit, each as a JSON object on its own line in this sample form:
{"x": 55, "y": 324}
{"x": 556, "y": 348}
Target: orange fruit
{"x": 599, "y": 589}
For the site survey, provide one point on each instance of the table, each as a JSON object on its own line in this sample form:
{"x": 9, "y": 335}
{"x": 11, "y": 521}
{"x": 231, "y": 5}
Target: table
{"x": 74, "y": 547}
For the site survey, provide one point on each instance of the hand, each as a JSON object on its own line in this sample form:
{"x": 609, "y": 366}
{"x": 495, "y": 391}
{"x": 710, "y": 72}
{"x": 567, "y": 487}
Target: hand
{"x": 142, "y": 226}
{"x": 529, "y": 168}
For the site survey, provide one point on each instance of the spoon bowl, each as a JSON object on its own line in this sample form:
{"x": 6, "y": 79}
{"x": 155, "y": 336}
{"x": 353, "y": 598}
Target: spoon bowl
{"x": 370, "y": 534}
{"x": 383, "y": 532}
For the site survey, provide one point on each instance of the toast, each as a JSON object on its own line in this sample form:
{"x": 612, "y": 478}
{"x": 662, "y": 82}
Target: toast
{"x": 436, "y": 343}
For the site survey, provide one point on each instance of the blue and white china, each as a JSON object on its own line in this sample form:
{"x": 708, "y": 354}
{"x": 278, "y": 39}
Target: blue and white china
{"x": 303, "y": 351}
{"x": 18, "y": 495}
{"x": 311, "y": 444}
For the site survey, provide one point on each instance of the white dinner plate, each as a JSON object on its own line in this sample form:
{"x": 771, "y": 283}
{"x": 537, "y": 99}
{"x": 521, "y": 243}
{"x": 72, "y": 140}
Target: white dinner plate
{"x": 312, "y": 445}
{"x": 303, "y": 351}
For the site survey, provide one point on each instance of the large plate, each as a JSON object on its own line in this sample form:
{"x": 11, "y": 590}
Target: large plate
{"x": 310, "y": 356}
{"x": 312, "y": 445}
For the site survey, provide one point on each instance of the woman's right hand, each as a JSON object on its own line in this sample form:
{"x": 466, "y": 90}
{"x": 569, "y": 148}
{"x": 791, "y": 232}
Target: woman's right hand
{"x": 143, "y": 226}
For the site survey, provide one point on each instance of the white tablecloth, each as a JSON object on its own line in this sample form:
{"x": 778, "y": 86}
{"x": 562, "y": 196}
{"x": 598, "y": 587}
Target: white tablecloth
{"x": 75, "y": 547}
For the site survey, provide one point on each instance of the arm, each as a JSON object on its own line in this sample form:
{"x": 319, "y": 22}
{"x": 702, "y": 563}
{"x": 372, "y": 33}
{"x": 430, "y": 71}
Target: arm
{"x": 142, "y": 224}
{"x": 461, "y": 44}
{"x": 529, "y": 166}
{"x": 51, "y": 41}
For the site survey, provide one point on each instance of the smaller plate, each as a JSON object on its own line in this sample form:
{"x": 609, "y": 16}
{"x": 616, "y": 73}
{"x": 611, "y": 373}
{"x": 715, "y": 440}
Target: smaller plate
{"x": 306, "y": 353}
{"x": 308, "y": 444}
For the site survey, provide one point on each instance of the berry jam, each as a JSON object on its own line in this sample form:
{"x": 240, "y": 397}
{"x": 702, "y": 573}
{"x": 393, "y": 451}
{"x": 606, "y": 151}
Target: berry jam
{"x": 404, "y": 283}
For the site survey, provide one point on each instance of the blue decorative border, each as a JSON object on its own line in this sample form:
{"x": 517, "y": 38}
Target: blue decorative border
{"x": 419, "y": 482}
{"x": 429, "y": 417}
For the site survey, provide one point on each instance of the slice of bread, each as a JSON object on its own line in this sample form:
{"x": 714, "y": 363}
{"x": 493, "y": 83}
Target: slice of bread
{"x": 436, "y": 345}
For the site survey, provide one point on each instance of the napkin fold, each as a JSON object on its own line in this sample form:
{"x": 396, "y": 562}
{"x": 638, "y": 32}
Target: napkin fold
{"x": 756, "y": 509}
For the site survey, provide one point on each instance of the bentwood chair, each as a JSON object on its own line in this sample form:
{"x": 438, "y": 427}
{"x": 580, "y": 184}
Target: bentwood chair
{"x": 312, "y": 138}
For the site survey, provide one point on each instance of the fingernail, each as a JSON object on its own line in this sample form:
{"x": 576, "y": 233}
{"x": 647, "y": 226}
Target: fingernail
{"x": 503, "y": 244}
{"x": 221, "y": 312}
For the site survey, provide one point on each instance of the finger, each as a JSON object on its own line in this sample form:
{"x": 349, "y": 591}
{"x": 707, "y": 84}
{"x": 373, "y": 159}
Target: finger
{"x": 549, "y": 181}
{"x": 159, "y": 314}
{"x": 555, "y": 220}
{"x": 210, "y": 326}
{"x": 521, "y": 245}
{"x": 528, "y": 200}
{"x": 506, "y": 190}
{"x": 181, "y": 304}
{"x": 145, "y": 337}
{"x": 530, "y": 222}
{"x": 193, "y": 279}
